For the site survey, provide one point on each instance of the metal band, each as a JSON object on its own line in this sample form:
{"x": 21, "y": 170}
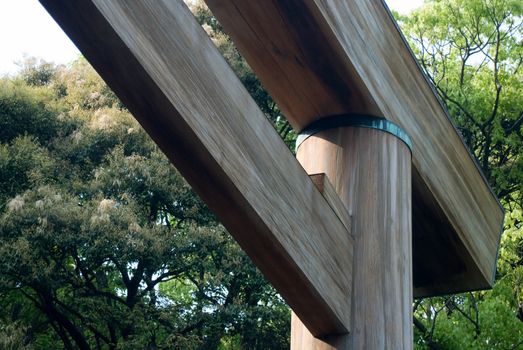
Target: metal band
{"x": 353, "y": 120}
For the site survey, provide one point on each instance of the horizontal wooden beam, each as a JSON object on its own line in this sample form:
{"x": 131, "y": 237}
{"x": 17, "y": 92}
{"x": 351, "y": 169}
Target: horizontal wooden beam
{"x": 319, "y": 58}
{"x": 166, "y": 70}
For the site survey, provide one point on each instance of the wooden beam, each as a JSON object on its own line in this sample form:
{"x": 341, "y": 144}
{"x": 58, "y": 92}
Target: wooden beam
{"x": 319, "y": 58}
{"x": 166, "y": 70}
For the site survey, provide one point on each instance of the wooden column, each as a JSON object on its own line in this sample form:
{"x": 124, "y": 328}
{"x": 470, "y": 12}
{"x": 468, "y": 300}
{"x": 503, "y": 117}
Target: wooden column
{"x": 371, "y": 172}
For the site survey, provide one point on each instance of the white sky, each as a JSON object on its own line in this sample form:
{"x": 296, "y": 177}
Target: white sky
{"x": 27, "y": 29}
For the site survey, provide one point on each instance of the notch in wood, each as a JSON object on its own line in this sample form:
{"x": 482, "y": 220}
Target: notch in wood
{"x": 322, "y": 183}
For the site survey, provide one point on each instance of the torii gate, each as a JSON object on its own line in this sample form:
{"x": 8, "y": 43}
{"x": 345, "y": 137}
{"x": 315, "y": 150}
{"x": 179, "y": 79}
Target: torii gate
{"x": 337, "y": 248}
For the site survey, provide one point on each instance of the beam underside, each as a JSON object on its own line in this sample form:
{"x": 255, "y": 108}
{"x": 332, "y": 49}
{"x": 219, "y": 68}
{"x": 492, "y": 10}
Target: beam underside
{"x": 166, "y": 70}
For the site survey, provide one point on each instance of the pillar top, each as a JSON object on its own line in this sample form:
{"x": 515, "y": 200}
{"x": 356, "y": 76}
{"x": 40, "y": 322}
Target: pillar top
{"x": 357, "y": 121}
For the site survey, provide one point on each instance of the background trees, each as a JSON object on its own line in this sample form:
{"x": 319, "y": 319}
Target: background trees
{"x": 471, "y": 51}
{"x": 104, "y": 246}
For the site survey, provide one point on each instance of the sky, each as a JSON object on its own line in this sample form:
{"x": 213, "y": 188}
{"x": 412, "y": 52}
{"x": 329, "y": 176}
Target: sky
{"x": 26, "y": 29}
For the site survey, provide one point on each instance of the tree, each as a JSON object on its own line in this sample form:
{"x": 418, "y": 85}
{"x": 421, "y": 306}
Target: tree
{"x": 103, "y": 244}
{"x": 26, "y": 110}
{"x": 37, "y": 72}
{"x": 471, "y": 50}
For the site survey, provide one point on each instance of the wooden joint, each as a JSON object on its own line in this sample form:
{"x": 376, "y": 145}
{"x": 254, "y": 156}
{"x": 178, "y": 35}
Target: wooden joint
{"x": 322, "y": 183}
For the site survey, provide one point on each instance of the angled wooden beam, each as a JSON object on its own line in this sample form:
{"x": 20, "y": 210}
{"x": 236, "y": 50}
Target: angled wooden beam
{"x": 166, "y": 70}
{"x": 319, "y": 58}
{"x": 322, "y": 183}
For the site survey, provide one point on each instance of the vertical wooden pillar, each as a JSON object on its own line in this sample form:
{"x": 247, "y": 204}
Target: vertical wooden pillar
{"x": 368, "y": 160}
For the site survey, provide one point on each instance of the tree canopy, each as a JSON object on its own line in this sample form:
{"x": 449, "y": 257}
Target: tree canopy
{"x": 103, "y": 244}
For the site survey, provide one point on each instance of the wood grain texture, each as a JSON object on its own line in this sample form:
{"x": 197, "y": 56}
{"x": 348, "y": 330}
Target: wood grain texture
{"x": 322, "y": 183}
{"x": 324, "y": 57}
{"x": 166, "y": 70}
{"x": 371, "y": 172}
{"x": 302, "y": 339}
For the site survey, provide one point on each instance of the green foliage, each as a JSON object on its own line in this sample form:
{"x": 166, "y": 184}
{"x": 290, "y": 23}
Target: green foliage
{"x": 82, "y": 89}
{"x": 511, "y": 252}
{"x": 37, "y": 72}
{"x": 26, "y": 110}
{"x": 471, "y": 51}
{"x": 483, "y": 320}
{"x": 23, "y": 163}
{"x": 103, "y": 244}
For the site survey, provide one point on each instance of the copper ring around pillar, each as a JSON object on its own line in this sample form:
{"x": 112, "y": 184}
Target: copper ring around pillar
{"x": 354, "y": 120}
